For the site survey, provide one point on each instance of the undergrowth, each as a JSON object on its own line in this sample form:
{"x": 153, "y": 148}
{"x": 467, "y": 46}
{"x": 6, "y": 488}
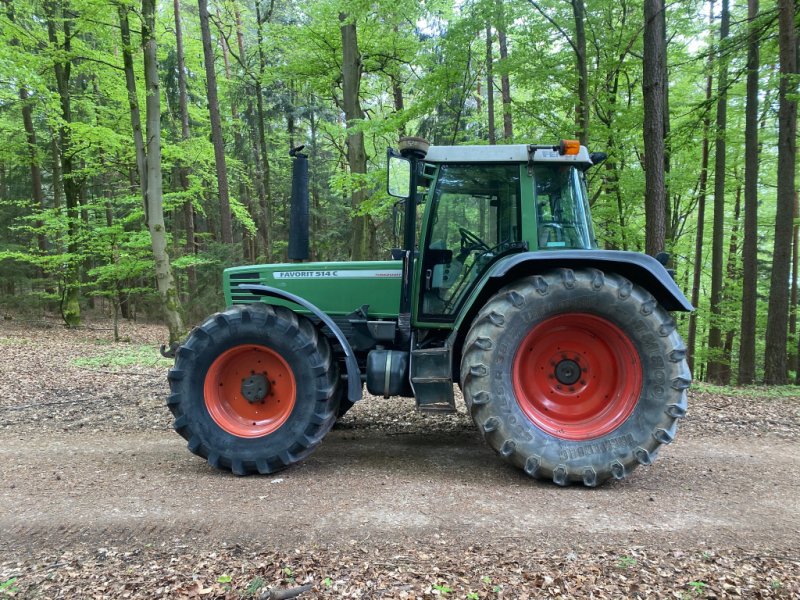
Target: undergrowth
{"x": 124, "y": 356}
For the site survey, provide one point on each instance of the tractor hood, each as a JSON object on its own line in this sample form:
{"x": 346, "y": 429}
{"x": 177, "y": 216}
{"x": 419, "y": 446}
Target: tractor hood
{"x": 337, "y": 288}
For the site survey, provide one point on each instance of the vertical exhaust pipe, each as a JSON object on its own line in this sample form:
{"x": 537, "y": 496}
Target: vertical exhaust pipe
{"x": 298, "y": 217}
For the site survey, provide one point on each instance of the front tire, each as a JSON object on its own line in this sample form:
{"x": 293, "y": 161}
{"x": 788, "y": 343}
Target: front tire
{"x": 575, "y": 376}
{"x": 253, "y": 389}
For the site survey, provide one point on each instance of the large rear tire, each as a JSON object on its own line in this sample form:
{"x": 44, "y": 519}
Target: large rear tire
{"x": 575, "y": 376}
{"x": 253, "y": 389}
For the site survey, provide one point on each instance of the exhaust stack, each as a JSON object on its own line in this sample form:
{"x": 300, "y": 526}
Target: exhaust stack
{"x": 298, "y": 217}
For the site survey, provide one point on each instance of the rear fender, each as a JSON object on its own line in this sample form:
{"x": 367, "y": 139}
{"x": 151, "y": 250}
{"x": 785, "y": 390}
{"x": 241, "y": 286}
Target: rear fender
{"x": 354, "y": 387}
{"x": 641, "y": 269}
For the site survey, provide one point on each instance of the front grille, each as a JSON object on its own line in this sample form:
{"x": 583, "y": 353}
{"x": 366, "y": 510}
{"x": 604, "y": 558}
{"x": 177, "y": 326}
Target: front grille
{"x": 239, "y": 296}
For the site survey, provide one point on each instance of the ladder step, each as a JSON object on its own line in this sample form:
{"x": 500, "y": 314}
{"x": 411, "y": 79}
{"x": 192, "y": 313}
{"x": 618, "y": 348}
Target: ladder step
{"x": 438, "y": 408}
{"x": 431, "y": 380}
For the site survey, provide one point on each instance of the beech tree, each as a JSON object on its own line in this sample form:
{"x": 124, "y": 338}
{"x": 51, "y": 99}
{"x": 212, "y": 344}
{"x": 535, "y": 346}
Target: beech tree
{"x": 653, "y": 81}
{"x": 775, "y": 363}
{"x": 747, "y": 348}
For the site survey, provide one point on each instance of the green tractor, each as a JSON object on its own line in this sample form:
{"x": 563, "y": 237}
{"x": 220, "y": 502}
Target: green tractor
{"x": 568, "y": 359}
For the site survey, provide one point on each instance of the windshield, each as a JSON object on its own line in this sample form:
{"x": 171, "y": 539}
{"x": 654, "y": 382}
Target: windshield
{"x": 562, "y": 208}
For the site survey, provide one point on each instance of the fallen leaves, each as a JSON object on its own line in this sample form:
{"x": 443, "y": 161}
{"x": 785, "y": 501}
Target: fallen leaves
{"x": 485, "y": 571}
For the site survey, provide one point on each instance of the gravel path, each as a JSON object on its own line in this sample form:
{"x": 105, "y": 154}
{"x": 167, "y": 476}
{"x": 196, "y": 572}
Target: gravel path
{"x": 100, "y": 499}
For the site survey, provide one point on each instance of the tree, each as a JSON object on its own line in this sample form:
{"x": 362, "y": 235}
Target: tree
{"x": 61, "y": 46}
{"x": 154, "y": 208}
{"x": 654, "y": 65}
{"x": 492, "y": 135}
{"x": 582, "y": 107}
{"x": 714, "y": 372}
{"x": 363, "y": 239}
{"x": 183, "y": 171}
{"x": 778, "y": 312}
{"x": 701, "y": 218}
{"x": 505, "y": 84}
{"x": 747, "y": 348}
{"x": 226, "y": 226}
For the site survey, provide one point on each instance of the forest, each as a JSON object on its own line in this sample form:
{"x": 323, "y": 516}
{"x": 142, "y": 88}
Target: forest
{"x": 146, "y": 145}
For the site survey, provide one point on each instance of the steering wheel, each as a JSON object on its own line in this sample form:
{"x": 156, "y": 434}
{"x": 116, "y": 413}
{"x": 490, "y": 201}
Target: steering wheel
{"x": 557, "y": 229}
{"x": 470, "y": 241}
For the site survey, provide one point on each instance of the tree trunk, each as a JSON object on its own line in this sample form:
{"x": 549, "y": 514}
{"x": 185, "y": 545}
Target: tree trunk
{"x": 226, "y": 225}
{"x": 653, "y": 79}
{"x": 747, "y": 346}
{"x": 33, "y": 156}
{"x": 701, "y": 221}
{"x": 356, "y": 153}
{"x": 505, "y": 85}
{"x": 70, "y": 305}
{"x": 733, "y": 273}
{"x": 778, "y": 310}
{"x": 713, "y": 374}
{"x": 490, "y": 85}
{"x": 155, "y": 208}
{"x": 238, "y": 145}
{"x": 582, "y": 108}
{"x": 669, "y": 226}
{"x": 33, "y": 153}
{"x": 265, "y": 193}
{"x": 183, "y": 172}
{"x": 399, "y": 104}
{"x": 133, "y": 103}
{"x": 794, "y": 359}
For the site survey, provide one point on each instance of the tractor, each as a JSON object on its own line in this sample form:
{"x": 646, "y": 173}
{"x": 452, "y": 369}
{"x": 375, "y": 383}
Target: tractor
{"x": 567, "y": 357}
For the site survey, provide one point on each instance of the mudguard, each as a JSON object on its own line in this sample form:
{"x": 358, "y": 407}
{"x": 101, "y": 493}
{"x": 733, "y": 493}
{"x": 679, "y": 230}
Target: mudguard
{"x": 641, "y": 269}
{"x": 354, "y": 387}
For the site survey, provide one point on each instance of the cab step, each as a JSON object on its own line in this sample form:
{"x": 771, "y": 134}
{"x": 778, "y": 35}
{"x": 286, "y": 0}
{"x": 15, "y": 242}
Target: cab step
{"x": 432, "y": 379}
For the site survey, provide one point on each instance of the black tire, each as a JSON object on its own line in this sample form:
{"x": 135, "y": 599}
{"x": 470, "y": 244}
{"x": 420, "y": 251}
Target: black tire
{"x": 307, "y": 354}
{"x": 489, "y": 357}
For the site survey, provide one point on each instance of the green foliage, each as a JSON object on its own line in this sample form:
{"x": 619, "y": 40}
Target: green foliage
{"x": 432, "y": 54}
{"x": 7, "y": 587}
{"x": 254, "y": 586}
{"x": 750, "y": 391}
{"x": 697, "y": 588}
{"x": 442, "y": 589}
{"x": 122, "y": 356}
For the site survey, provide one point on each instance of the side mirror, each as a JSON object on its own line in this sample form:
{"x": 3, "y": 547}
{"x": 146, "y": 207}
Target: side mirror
{"x": 398, "y": 182}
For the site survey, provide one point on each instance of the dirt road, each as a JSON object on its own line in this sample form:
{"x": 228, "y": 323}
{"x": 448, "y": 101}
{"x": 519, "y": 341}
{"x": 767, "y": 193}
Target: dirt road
{"x": 99, "y": 496}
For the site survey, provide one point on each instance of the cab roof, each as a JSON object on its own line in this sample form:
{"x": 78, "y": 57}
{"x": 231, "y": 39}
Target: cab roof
{"x": 511, "y": 153}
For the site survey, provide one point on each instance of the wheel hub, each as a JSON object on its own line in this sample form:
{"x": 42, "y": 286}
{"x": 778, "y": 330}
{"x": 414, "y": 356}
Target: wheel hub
{"x": 255, "y": 388}
{"x": 237, "y": 385}
{"x": 568, "y": 372}
{"x": 576, "y": 376}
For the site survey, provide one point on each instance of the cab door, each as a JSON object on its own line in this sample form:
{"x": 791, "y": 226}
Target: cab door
{"x": 474, "y": 217}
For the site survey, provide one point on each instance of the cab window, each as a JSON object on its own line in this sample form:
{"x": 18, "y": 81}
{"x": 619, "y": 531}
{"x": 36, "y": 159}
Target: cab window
{"x": 562, "y": 210}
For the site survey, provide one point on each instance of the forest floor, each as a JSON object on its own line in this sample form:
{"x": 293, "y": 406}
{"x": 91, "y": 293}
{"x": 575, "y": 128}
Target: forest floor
{"x": 99, "y": 498}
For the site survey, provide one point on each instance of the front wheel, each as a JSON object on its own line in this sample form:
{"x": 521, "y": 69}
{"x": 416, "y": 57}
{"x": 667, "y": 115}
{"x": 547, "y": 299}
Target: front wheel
{"x": 253, "y": 389}
{"x": 575, "y": 376}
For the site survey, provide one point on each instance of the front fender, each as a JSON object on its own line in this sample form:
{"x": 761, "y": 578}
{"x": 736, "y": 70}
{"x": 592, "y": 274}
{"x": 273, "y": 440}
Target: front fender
{"x": 354, "y": 388}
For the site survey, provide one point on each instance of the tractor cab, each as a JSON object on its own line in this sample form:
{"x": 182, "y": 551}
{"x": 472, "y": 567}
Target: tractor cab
{"x": 486, "y": 202}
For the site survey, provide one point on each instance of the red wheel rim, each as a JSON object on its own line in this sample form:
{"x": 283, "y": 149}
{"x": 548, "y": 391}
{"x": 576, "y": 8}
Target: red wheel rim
{"x": 577, "y": 376}
{"x": 226, "y": 388}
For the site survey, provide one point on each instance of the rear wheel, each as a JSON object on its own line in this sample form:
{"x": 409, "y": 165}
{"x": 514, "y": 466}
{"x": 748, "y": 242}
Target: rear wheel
{"x": 253, "y": 389}
{"x": 575, "y": 376}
